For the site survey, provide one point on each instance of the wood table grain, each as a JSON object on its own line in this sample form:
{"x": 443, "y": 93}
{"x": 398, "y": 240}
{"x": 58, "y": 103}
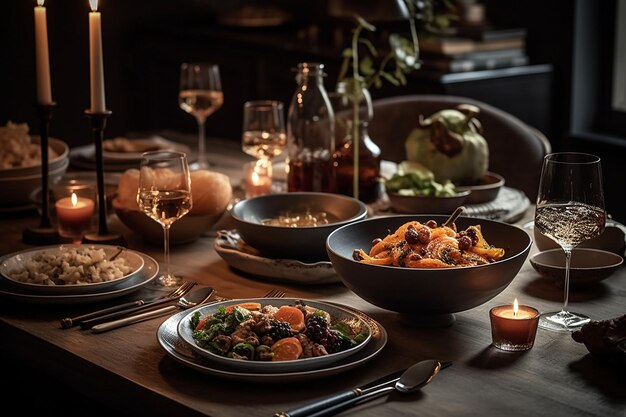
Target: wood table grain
{"x": 125, "y": 371}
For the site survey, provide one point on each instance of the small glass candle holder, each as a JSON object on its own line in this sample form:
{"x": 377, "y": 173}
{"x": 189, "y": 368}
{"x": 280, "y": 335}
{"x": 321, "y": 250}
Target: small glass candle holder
{"x": 514, "y": 327}
{"x": 74, "y": 206}
{"x": 258, "y": 178}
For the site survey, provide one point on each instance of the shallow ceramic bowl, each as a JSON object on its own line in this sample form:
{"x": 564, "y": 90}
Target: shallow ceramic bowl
{"x": 187, "y": 229}
{"x": 57, "y": 145}
{"x": 487, "y": 190}
{"x": 302, "y": 243}
{"x": 17, "y": 191}
{"x": 426, "y": 204}
{"x": 588, "y": 266}
{"x": 429, "y": 295}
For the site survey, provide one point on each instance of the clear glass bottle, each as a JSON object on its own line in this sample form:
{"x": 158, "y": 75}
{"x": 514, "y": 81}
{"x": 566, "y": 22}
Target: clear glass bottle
{"x": 367, "y": 154}
{"x": 310, "y": 133}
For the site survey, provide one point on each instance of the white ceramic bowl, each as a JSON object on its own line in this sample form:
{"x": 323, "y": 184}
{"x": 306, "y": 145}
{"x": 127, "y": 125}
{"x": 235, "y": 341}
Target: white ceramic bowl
{"x": 57, "y": 145}
{"x": 17, "y": 191}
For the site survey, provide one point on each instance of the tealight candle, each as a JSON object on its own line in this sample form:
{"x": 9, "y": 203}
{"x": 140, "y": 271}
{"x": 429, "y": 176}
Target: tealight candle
{"x": 258, "y": 178}
{"x": 513, "y": 327}
{"x": 74, "y": 216}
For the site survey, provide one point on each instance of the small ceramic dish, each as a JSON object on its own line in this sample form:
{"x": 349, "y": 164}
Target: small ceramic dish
{"x": 588, "y": 265}
{"x": 426, "y": 204}
{"x": 338, "y": 314}
{"x": 486, "y": 190}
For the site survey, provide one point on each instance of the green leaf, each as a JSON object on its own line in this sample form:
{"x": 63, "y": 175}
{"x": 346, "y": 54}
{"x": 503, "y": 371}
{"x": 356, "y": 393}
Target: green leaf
{"x": 390, "y": 78}
{"x": 347, "y": 53}
{"x": 367, "y": 66}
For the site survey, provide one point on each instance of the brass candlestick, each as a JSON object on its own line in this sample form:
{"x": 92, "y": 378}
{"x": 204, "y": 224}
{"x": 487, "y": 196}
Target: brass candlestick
{"x": 45, "y": 234}
{"x": 98, "y": 123}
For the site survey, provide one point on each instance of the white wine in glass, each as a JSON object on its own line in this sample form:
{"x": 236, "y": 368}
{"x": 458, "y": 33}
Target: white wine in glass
{"x": 264, "y": 134}
{"x": 164, "y": 195}
{"x": 200, "y": 94}
{"x": 570, "y": 210}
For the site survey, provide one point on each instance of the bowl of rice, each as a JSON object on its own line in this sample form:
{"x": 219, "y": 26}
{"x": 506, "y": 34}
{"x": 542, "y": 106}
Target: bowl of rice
{"x": 69, "y": 269}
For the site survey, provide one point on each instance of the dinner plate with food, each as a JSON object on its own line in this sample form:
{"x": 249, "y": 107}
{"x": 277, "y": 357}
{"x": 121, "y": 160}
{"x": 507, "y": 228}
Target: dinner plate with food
{"x": 274, "y": 334}
{"x": 71, "y": 269}
{"x": 181, "y": 352}
{"x": 76, "y": 292}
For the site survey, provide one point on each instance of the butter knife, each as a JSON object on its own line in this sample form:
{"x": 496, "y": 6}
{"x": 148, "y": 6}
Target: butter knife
{"x": 341, "y": 397}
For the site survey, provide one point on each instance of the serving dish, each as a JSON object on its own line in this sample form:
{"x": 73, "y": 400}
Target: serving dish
{"x": 243, "y": 257}
{"x": 17, "y": 191}
{"x": 175, "y": 348}
{"x": 588, "y": 266}
{"x": 305, "y": 243}
{"x": 61, "y": 149}
{"x": 426, "y": 204}
{"x": 16, "y": 262}
{"x": 486, "y": 190}
{"x": 430, "y": 296}
{"x": 147, "y": 274}
{"x": 338, "y": 313}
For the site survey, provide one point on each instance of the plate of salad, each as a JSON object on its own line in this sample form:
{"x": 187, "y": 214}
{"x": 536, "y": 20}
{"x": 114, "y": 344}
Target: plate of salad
{"x": 273, "y": 335}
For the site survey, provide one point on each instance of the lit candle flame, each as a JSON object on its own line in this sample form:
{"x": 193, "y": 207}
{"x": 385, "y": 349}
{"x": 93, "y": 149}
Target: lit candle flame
{"x": 94, "y": 5}
{"x": 74, "y": 200}
{"x": 255, "y": 178}
{"x": 515, "y": 307}
{"x": 40, "y": 2}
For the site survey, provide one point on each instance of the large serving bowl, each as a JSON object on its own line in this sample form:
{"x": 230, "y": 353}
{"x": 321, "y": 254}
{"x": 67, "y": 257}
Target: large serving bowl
{"x": 429, "y": 294}
{"x": 17, "y": 191}
{"x": 54, "y": 164}
{"x": 422, "y": 204}
{"x": 302, "y": 243}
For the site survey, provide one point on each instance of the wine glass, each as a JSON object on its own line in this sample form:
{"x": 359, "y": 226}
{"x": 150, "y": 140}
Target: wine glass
{"x": 164, "y": 195}
{"x": 570, "y": 210}
{"x": 263, "y": 136}
{"x": 200, "y": 95}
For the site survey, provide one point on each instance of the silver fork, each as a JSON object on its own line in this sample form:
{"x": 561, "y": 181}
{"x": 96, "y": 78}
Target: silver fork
{"x": 275, "y": 293}
{"x": 89, "y": 320}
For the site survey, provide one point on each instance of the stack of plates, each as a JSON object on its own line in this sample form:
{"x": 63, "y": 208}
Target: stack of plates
{"x": 120, "y": 160}
{"x": 175, "y": 336}
{"x": 144, "y": 270}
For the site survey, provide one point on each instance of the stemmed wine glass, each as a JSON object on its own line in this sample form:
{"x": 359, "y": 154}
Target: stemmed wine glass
{"x": 164, "y": 195}
{"x": 570, "y": 210}
{"x": 264, "y": 134}
{"x": 200, "y": 95}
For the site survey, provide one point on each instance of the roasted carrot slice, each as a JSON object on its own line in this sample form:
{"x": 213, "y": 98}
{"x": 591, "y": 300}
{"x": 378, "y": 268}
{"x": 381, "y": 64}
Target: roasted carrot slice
{"x": 291, "y": 315}
{"x": 248, "y": 306}
{"x": 201, "y": 323}
{"x": 286, "y": 349}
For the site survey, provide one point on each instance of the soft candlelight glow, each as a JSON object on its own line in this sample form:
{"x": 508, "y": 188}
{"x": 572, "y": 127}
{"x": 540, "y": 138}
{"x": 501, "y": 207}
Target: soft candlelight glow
{"x": 258, "y": 178}
{"x": 513, "y": 327}
{"x": 42, "y": 61}
{"x": 96, "y": 65}
{"x": 74, "y": 215}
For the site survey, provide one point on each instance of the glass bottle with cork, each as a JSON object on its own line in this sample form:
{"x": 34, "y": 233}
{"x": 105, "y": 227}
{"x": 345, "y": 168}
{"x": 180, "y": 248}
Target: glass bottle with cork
{"x": 310, "y": 133}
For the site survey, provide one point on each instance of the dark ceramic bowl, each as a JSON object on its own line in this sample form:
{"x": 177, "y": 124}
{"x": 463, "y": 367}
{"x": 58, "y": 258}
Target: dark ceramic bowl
{"x": 429, "y": 295}
{"x": 301, "y": 243}
{"x": 487, "y": 190}
{"x": 426, "y": 204}
{"x": 588, "y": 266}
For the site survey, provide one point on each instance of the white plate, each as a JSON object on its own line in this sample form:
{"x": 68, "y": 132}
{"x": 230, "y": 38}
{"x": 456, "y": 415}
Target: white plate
{"x": 137, "y": 281}
{"x": 154, "y": 143}
{"x": 243, "y": 257}
{"x": 167, "y": 335}
{"x": 16, "y": 261}
{"x": 185, "y": 332}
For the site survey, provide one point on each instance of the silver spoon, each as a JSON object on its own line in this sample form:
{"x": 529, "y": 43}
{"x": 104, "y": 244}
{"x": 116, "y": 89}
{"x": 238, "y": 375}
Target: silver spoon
{"x": 411, "y": 380}
{"x": 192, "y": 299}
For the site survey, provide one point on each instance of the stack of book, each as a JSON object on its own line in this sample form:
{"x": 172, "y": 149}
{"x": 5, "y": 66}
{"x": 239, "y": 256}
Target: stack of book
{"x": 474, "y": 49}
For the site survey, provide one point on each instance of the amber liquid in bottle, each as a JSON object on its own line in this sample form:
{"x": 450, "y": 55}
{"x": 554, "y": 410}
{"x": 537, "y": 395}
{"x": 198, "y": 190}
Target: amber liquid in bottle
{"x": 369, "y": 169}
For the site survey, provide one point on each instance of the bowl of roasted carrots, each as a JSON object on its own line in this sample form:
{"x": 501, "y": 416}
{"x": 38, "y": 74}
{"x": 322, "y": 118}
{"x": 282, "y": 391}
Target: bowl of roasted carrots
{"x": 421, "y": 267}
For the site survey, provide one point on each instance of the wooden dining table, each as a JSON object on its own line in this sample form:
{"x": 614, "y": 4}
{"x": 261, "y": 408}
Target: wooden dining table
{"x": 126, "y": 372}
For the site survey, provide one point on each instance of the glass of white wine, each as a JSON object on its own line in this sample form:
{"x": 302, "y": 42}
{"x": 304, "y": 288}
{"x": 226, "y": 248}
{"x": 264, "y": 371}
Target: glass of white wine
{"x": 263, "y": 134}
{"x": 200, "y": 94}
{"x": 570, "y": 210}
{"x": 164, "y": 195}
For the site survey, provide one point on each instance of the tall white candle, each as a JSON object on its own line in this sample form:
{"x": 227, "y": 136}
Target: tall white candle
{"x": 95, "y": 60}
{"x": 44, "y": 92}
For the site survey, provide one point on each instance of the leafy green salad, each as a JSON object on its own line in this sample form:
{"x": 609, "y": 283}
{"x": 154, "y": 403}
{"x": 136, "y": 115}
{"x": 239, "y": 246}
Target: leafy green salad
{"x": 413, "y": 179}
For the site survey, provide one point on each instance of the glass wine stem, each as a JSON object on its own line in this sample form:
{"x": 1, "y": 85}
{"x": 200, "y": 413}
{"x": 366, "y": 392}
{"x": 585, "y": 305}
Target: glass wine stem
{"x": 568, "y": 260}
{"x": 202, "y": 162}
{"x": 166, "y": 251}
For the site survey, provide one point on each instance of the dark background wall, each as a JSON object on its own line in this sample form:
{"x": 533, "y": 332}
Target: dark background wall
{"x": 145, "y": 42}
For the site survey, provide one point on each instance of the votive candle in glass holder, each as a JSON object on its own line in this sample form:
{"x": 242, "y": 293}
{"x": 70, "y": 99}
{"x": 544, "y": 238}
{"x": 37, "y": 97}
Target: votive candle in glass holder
{"x": 513, "y": 327}
{"x": 74, "y": 208}
{"x": 258, "y": 178}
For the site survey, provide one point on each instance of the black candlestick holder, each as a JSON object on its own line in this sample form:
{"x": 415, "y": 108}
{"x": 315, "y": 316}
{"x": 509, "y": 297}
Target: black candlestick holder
{"x": 103, "y": 236}
{"x": 45, "y": 234}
